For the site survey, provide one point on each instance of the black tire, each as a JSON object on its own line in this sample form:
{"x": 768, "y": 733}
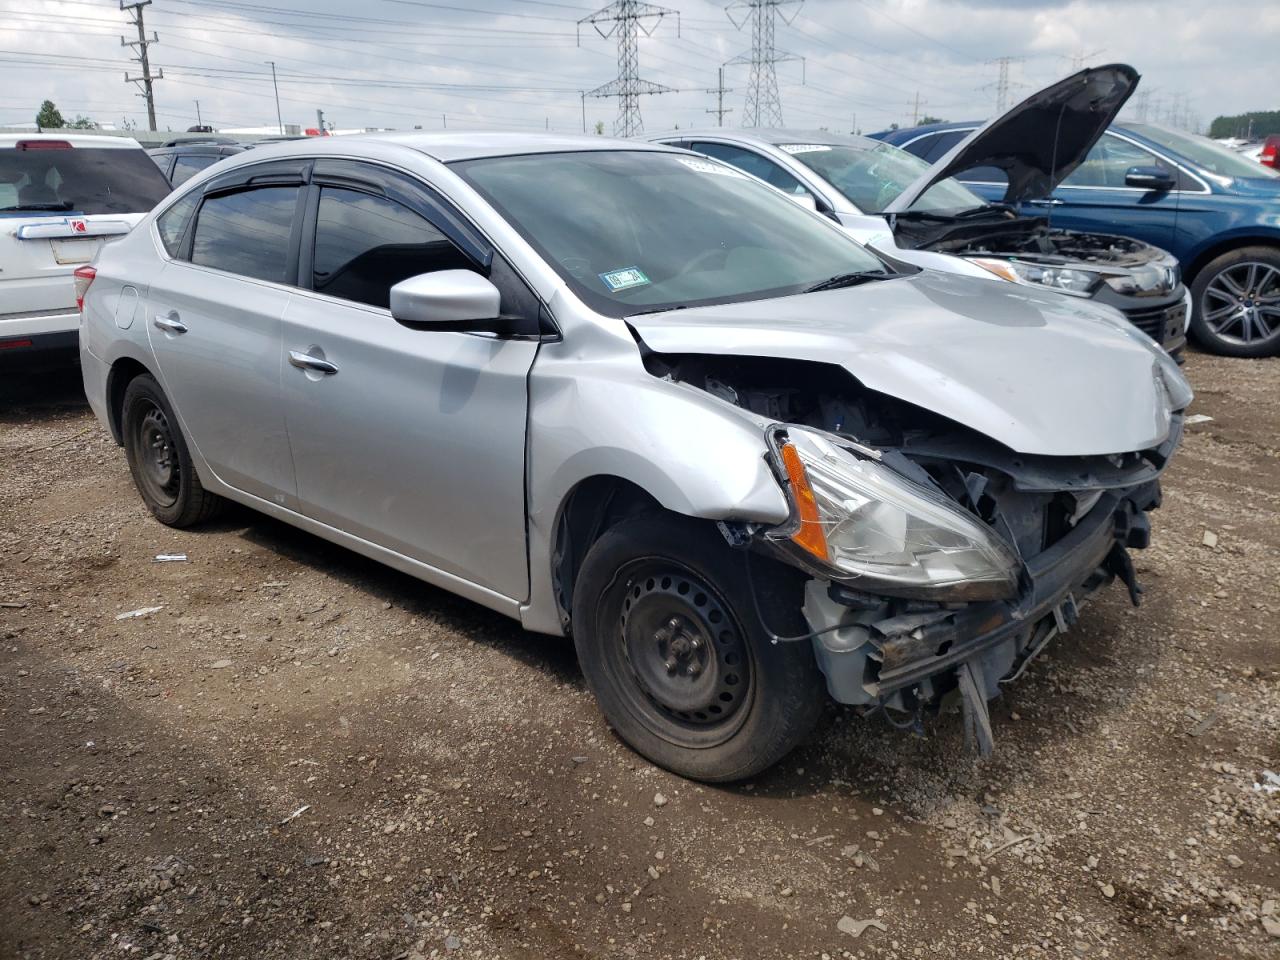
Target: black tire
{"x": 1232, "y": 314}
{"x": 158, "y": 457}
{"x": 659, "y": 589}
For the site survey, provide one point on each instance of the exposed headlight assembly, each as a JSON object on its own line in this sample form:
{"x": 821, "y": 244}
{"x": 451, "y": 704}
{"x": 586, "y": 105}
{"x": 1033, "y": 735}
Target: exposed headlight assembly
{"x": 1148, "y": 280}
{"x": 858, "y": 521}
{"x": 1078, "y": 283}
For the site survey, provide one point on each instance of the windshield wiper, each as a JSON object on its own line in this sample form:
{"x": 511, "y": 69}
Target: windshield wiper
{"x": 971, "y": 214}
{"x": 848, "y": 280}
{"x": 984, "y": 210}
{"x": 58, "y": 206}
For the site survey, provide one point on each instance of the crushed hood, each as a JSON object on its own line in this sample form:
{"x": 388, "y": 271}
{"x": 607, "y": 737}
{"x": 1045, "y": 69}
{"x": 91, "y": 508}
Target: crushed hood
{"x": 1038, "y": 372}
{"x": 1040, "y": 141}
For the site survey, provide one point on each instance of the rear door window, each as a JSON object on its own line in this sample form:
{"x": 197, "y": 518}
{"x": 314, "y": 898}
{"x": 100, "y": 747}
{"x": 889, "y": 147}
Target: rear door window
{"x": 78, "y": 180}
{"x": 247, "y": 233}
{"x": 366, "y": 244}
{"x": 188, "y": 165}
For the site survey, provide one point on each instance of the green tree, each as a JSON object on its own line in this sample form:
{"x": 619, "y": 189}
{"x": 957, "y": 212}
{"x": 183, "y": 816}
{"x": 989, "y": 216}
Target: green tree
{"x": 928, "y": 119}
{"x": 1263, "y": 122}
{"x": 599, "y": 128}
{"x": 49, "y": 116}
{"x": 82, "y": 123}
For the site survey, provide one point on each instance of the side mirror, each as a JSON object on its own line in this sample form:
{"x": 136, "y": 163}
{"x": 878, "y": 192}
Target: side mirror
{"x": 1149, "y": 178}
{"x": 445, "y": 297}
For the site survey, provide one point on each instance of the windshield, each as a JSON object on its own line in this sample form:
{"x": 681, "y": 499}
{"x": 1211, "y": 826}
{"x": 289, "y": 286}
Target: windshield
{"x": 634, "y": 231}
{"x": 79, "y": 180}
{"x": 1203, "y": 152}
{"x": 872, "y": 177}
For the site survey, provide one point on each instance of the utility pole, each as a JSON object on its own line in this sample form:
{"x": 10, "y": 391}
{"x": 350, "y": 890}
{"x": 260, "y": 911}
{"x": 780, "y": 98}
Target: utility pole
{"x": 853, "y": 128}
{"x": 915, "y": 109}
{"x": 583, "y": 95}
{"x": 627, "y": 20}
{"x": 145, "y": 81}
{"x": 199, "y": 122}
{"x": 720, "y": 90}
{"x": 763, "y": 106}
{"x": 276, "y": 88}
{"x": 1003, "y": 85}
{"x": 320, "y": 121}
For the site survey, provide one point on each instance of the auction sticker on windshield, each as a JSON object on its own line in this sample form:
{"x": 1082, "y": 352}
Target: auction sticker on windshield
{"x": 706, "y": 166}
{"x": 794, "y": 148}
{"x": 624, "y": 278}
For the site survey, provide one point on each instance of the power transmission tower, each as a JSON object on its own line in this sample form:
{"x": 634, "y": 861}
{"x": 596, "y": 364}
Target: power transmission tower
{"x": 1143, "y": 106}
{"x": 628, "y": 19}
{"x": 720, "y": 90}
{"x": 1003, "y": 85}
{"x": 135, "y": 17}
{"x": 1079, "y": 58}
{"x": 763, "y": 107}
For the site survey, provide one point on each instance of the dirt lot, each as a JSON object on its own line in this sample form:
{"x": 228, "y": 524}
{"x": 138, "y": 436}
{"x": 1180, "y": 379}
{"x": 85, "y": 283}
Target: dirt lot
{"x": 302, "y": 754}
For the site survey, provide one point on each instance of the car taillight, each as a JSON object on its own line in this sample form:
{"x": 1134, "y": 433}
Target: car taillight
{"x": 1270, "y": 155}
{"x": 43, "y": 145}
{"x": 84, "y": 276}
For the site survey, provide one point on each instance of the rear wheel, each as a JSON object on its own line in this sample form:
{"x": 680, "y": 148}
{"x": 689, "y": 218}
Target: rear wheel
{"x": 672, "y": 649}
{"x": 159, "y": 459}
{"x": 1236, "y": 301}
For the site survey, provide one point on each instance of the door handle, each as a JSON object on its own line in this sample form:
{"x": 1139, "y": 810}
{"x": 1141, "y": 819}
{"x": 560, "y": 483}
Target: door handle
{"x": 305, "y": 361}
{"x": 1047, "y": 202}
{"x": 170, "y": 324}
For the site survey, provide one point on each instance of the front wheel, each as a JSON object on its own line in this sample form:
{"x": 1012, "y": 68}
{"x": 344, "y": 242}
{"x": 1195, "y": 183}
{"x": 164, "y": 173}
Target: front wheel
{"x": 1236, "y": 301}
{"x": 669, "y": 642}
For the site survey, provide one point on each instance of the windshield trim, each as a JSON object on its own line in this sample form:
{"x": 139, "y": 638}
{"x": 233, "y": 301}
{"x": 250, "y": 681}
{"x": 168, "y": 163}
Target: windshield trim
{"x": 617, "y": 309}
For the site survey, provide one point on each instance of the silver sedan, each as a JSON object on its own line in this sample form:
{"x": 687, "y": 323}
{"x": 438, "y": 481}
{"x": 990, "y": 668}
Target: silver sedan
{"x": 624, "y": 392}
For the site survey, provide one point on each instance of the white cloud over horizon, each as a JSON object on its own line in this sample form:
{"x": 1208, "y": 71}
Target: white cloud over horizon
{"x": 517, "y": 63}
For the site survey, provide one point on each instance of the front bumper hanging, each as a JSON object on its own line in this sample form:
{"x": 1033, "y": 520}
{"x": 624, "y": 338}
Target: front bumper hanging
{"x": 913, "y": 659}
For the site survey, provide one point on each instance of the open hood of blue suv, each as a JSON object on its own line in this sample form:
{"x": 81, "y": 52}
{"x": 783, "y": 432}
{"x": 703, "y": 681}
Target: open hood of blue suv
{"x": 1039, "y": 142}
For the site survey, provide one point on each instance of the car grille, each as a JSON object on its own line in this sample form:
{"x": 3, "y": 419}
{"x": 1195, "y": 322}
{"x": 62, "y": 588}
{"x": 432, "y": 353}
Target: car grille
{"x": 1163, "y": 324}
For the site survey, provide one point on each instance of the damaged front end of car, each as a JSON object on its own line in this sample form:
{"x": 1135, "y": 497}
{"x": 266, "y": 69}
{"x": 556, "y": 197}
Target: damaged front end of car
{"x": 940, "y": 561}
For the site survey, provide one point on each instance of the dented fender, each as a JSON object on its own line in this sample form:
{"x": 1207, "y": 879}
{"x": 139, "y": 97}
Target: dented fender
{"x": 693, "y": 453}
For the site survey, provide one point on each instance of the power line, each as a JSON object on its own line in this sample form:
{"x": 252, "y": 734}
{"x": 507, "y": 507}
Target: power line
{"x": 628, "y": 19}
{"x": 135, "y": 17}
{"x": 763, "y": 106}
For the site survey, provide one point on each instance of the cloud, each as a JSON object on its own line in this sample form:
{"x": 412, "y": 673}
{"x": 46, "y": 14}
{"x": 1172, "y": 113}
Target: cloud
{"x": 524, "y": 64}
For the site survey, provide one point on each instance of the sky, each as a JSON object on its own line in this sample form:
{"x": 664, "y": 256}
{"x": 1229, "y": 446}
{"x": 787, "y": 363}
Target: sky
{"x": 522, "y": 64}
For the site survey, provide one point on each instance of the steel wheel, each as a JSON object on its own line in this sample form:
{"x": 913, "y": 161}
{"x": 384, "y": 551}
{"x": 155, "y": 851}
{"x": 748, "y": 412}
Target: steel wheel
{"x": 685, "y": 656}
{"x": 159, "y": 471}
{"x": 1241, "y": 303}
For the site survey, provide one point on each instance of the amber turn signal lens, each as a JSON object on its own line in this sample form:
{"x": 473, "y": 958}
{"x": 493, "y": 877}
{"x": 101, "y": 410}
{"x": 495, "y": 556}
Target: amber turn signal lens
{"x": 810, "y": 536}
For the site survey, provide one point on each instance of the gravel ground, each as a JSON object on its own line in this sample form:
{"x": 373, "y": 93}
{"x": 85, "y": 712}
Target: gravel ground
{"x": 299, "y": 753}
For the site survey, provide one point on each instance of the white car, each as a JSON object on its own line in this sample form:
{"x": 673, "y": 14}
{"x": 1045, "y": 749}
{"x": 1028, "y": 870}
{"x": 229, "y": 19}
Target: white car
{"x": 61, "y": 198}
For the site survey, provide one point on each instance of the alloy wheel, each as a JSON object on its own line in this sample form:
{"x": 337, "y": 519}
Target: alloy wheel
{"x": 1241, "y": 304}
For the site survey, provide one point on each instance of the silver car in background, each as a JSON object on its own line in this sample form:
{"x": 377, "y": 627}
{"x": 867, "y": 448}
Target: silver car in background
{"x": 624, "y": 392}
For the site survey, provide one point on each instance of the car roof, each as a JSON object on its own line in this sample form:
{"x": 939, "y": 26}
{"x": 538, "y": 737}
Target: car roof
{"x": 771, "y": 136}
{"x": 75, "y": 139}
{"x": 204, "y": 148}
{"x": 448, "y": 147}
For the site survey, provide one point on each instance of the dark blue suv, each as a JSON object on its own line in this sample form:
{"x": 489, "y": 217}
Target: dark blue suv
{"x": 1216, "y": 210}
